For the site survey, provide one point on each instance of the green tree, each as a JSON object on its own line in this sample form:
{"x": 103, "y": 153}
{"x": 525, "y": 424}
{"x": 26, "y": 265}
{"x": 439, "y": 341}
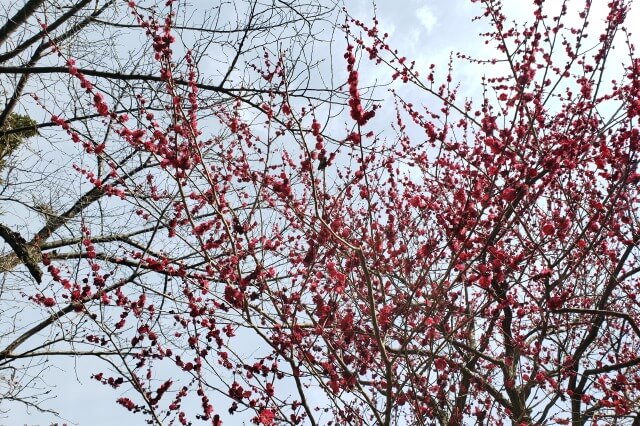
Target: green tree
{"x": 17, "y": 130}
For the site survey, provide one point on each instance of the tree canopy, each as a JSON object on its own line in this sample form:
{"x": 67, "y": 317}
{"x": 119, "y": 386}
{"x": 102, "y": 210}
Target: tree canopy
{"x": 235, "y": 229}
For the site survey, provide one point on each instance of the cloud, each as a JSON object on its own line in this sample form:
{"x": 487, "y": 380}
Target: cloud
{"x": 426, "y": 18}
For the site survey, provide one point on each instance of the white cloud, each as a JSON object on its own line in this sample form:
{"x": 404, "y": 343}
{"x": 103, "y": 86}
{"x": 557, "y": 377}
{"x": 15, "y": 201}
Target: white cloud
{"x": 427, "y": 18}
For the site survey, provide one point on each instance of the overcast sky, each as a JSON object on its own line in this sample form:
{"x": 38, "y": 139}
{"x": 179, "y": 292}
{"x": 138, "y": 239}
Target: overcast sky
{"x": 423, "y": 30}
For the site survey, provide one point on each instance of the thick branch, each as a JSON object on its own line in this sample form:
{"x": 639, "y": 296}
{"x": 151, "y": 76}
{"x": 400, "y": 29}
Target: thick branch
{"x": 23, "y": 250}
{"x": 18, "y": 19}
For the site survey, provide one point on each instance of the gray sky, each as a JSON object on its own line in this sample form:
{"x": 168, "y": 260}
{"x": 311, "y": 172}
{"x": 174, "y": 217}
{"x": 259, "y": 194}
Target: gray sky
{"x": 423, "y": 30}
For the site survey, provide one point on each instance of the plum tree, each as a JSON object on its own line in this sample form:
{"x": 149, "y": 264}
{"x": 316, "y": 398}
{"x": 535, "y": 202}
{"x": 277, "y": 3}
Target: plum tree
{"x": 472, "y": 262}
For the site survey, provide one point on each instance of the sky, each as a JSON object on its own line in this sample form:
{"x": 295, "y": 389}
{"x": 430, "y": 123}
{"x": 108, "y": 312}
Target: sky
{"x": 423, "y": 30}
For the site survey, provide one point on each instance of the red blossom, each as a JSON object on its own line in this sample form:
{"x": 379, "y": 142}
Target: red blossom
{"x": 548, "y": 228}
{"x": 509, "y": 195}
{"x": 266, "y": 417}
